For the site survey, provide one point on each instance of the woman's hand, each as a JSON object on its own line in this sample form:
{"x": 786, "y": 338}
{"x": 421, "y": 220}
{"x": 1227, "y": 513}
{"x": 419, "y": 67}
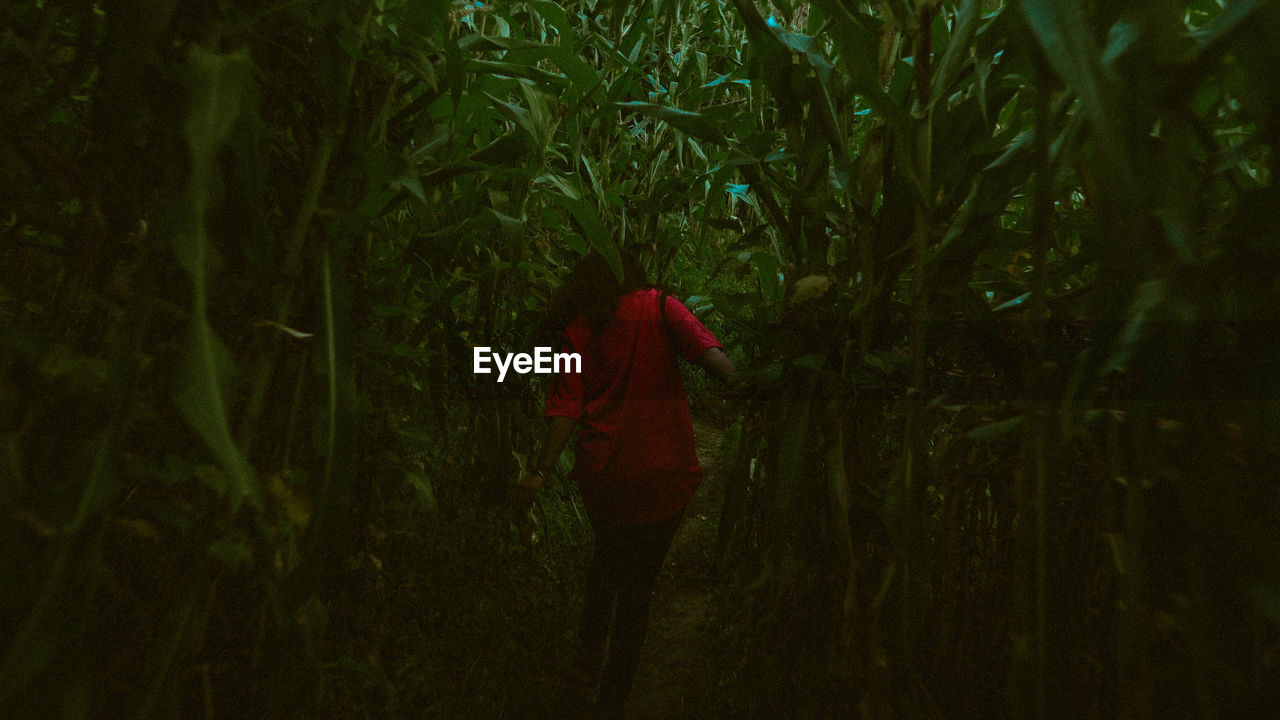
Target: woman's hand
{"x": 526, "y": 489}
{"x": 521, "y": 497}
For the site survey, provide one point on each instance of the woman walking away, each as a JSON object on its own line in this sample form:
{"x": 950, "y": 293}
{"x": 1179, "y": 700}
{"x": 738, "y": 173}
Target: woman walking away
{"x": 636, "y": 464}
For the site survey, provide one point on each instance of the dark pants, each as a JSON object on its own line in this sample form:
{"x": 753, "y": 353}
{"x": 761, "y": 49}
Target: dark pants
{"x": 620, "y": 580}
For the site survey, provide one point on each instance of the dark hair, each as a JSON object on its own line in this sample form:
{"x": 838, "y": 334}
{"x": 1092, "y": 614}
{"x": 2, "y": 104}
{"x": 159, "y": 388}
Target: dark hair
{"x": 592, "y": 289}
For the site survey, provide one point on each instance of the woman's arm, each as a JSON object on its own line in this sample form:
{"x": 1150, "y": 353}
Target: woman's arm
{"x": 559, "y": 430}
{"x": 717, "y": 363}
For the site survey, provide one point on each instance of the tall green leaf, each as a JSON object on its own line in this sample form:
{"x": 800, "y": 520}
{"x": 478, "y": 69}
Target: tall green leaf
{"x": 687, "y": 122}
{"x": 594, "y": 229}
{"x": 218, "y": 80}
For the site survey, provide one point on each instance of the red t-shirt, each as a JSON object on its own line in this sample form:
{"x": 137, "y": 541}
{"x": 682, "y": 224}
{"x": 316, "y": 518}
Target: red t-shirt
{"x": 636, "y": 461}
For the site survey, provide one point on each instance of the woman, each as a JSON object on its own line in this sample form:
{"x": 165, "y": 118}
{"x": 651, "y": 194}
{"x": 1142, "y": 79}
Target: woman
{"x": 636, "y": 464}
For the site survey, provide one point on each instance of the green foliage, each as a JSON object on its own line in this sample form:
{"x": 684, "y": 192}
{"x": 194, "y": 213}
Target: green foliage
{"x": 1001, "y": 279}
{"x": 930, "y": 152}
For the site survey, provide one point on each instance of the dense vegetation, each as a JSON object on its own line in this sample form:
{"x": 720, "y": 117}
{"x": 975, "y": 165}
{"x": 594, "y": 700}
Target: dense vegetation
{"x": 1003, "y": 279}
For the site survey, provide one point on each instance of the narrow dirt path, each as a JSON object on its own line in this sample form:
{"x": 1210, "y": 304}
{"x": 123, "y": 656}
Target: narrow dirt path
{"x": 676, "y": 678}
